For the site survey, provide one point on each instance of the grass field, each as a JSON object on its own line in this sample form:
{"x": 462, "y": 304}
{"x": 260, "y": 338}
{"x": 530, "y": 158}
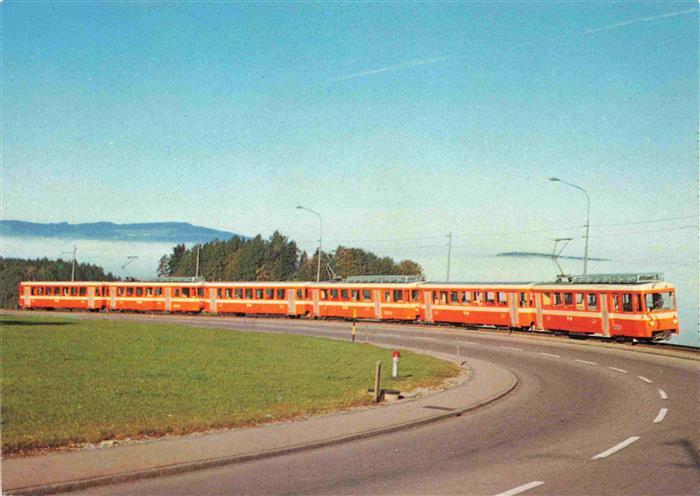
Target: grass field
{"x": 68, "y": 381}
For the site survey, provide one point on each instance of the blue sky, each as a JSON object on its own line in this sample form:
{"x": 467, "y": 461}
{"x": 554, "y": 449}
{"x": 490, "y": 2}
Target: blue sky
{"x": 393, "y": 120}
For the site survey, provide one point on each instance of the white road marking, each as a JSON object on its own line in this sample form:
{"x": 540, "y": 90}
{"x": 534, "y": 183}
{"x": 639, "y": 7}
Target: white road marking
{"x": 616, "y": 448}
{"x": 521, "y": 489}
{"x": 648, "y": 381}
{"x": 661, "y": 415}
{"x": 663, "y": 394}
{"x": 511, "y": 348}
{"x": 549, "y": 354}
{"x": 618, "y": 370}
{"x": 585, "y": 361}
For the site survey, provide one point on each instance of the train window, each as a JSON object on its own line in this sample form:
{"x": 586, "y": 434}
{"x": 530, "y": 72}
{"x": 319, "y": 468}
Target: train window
{"x": 219, "y": 293}
{"x": 74, "y": 291}
{"x": 660, "y": 301}
{"x": 465, "y": 297}
{"x": 334, "y": 294}
{"x": 120, "y": 291}
{"x": 176, "y": 292}
{"x": 249, "y": 293}
{"x": 503, "y": 297}
{"x": 579, "y": 301}
{"x": 626, "y": 302}
{"x": 490, "y": 297}
{"x": 149, "y": 291}
{"x": 258, "y": 294}
{"x": 323, "y": 294}
{"x": 280, "y": 294}
{"x": 475, "y": 297}
{"x": 186, "y": 292}
{"x": 269, "y": 294}
{"x": 523, "y": 300}
{"x": 344, "y": 294}
{"x": 200, "y": 292}
{"x": 139, "y": 291}
{"x": 355, "y": 294}
{"x": 159, "y": 291}
{"x": 238, "y": 292}
{"x": 39, "y": 291}
{"x": 557, "y": 299}
{"x": 616, "y": 302}
{"x": 568, "y": 299}
{"x": 47, "y": 290}
{"x": 454, "y": 296}
{"x": 546, "y": 299}
{"x": 367, "y": 294}
{"x": 398, "y": 295}
{"x": 415, "y": 294}
{"x": 129, "y": 291}
{"x": 98, "y": 291}
{"x": 638, "y": 305}
{"x": 300, "y": 294}
{"x": 387, "y": 296}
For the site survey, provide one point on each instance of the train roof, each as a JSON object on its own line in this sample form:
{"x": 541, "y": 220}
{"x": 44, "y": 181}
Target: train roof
{"x": 551, "y": 286}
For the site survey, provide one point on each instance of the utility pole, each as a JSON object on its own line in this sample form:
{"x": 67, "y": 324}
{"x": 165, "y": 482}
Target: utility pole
{"x": 449, "y": 254}
{"x": 196, "y": 271}
{"x": 320, "y": 240}
{"x": 588, "y": 221}
{"x": 72, "y": 272}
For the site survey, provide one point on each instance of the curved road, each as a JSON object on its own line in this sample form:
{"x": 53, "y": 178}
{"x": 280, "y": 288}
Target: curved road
{"x": 583, "y": 420}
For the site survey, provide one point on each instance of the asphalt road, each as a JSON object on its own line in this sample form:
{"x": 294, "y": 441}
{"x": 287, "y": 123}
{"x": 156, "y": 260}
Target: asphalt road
{"x": 583, "y": 420}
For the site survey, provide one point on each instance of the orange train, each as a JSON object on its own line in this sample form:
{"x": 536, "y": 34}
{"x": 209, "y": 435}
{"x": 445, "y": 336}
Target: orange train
{"x": 641, "y": 310}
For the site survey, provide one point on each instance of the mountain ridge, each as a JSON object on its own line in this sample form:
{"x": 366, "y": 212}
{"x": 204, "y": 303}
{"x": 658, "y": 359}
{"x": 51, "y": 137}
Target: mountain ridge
{"x": 176, "y": 232}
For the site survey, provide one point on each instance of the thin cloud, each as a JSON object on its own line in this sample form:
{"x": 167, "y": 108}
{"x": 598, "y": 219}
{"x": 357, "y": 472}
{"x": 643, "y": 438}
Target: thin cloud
{"x": 640, "y": 20}
{"x": 618, "y": 25}
{"x": 413, "y": 63}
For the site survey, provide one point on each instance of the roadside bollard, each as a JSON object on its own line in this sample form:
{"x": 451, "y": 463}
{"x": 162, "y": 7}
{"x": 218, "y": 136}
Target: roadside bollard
{"x": 354, "y": 316}
{"x": 395, "y": 364}
{"x": 377, "y": 381}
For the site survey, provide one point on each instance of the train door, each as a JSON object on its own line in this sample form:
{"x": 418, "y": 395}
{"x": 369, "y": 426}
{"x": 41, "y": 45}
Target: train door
{"x": 315, "y": 293}
{"x": 27, "y": 297}
{"x": 91, "y": 298}
{"x": 604, "y": 312}
{"x": 291, "y": 301}
{"x": 112, "y": 298}
{"x": 212, "y": 301}
{"x": 428, "y": 302}
{"x": 377, "y": 304}
{"x": 168, "y": 300}
{"x": 513, "y": 304}
{"x": 538, "y": 307}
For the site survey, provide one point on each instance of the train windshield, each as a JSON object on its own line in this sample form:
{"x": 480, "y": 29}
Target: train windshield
{"x": 660, "y": 301}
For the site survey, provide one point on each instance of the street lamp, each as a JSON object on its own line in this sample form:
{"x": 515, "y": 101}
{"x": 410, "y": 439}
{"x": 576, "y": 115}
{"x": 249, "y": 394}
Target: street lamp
{"x": 320, "y": 240}
{"x": 588, "y": 222}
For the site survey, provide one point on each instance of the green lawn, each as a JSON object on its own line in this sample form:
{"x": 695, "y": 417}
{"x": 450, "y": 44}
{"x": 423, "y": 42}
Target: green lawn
{"x": 66, "y": 380}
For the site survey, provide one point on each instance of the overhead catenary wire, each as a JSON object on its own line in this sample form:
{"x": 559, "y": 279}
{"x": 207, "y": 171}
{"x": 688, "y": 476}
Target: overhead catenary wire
{"x": 514, "y": 233}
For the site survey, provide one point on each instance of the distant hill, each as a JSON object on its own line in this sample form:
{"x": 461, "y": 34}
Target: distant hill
{"x": 544, "y": 255}
{"x": 175, "y": 232}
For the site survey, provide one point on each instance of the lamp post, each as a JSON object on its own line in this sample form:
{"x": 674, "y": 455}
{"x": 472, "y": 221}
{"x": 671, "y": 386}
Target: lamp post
{"x": 588, "y": 222}
{"x": 320, "y": 240}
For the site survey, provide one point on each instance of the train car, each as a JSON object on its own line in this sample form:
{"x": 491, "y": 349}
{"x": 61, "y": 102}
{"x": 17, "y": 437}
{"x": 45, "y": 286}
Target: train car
{"x": 643, "y": 311}
{"x": 494, "y": 304}
{"x": 52, "y": 295}
{"x": 262, "y": 298}
{"x": 147, "y": 296}
{"x": 373, "y": 301}
{"x": 610, "y": 306}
